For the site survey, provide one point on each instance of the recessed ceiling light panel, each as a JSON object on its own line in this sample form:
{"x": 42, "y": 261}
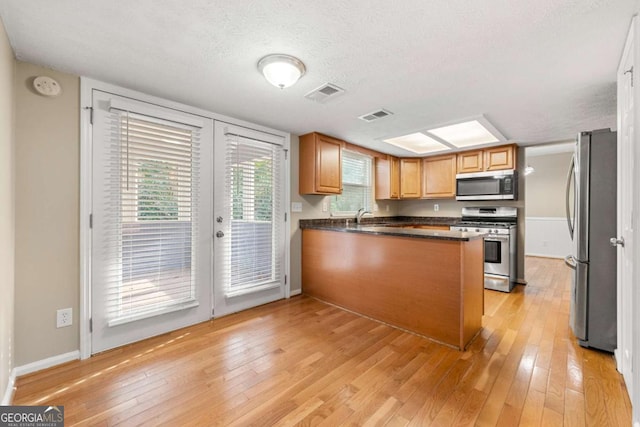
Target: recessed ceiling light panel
{"x": 465, "y": 134}
{"x": 418, "y": 143}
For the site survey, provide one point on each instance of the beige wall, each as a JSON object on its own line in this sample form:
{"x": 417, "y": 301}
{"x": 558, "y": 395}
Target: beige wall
{"x": 47, "y": 215}
{"x": 546, "y": 186}
{"x": 7, "y": 219}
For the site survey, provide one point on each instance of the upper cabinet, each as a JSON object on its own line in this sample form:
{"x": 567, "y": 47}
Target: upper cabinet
{"x": 489, "y": 159}
{"x": 439, "y": 177}
{"x": 387, "y": 178}
{"x": 320, "y": 169}
{"x": 470, "y": 161}
{"x": 410, "y": 178}
{"x": 499, "y": 158}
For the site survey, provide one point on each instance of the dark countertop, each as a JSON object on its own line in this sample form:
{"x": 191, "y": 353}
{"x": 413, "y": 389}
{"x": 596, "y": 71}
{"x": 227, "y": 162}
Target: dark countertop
{"x": 386, "y": 230}
{"x": 382, "y": 220}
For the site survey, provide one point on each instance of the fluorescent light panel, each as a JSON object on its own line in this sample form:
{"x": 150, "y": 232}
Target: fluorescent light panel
{"x": 418, "y": 143}
{"x": 465, "y": 134}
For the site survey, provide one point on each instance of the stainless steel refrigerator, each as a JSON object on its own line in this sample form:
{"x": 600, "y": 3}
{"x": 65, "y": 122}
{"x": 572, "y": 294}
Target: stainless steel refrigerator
{"x": 591, "y": 217}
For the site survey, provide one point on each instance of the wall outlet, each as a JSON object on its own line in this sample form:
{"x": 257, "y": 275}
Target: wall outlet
{"x": 387, "y": 208}
{"x": 325, "y": 205}
{"x": 64, "y": 317}
{"x": 296, "y": 207}
{"x": 436, "y": 207}
{"x": 375, "y": 207}
{"x": 545, "y": 243}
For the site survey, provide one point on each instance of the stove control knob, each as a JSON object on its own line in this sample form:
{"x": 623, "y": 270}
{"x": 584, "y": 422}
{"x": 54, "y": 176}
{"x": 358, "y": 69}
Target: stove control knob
{"x": 477, "y": 230}
{"x": 493, "y": 231}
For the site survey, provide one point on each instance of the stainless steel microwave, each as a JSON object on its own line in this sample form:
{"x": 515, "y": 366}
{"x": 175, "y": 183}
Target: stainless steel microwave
{"x": 494, "y": 185}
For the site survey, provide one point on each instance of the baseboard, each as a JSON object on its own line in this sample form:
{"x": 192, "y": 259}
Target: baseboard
{"x": 46, "y": 363}
{"x": 295, "y": 292}
{"x": 544, "y": 256}
{"x": 520, "y": 281}
{"x": 8, "y": 393}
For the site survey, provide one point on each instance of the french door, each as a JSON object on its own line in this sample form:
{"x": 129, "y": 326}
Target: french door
{"x": 151, "y": 227}
{"x": 249, "y": 218}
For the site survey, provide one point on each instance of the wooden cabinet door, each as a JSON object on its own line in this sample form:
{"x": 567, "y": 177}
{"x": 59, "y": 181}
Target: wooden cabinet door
{"x": 410, "y": 178}
{"x": 395, "y": 177}
{"x": 470, "y": 161}
{"x": 500, "y": 158}
{"x": 328, "y": 165}
{"x": 387, "y": 178}
{"x": 439, "y": 175}
{"x": 320, "y": 164}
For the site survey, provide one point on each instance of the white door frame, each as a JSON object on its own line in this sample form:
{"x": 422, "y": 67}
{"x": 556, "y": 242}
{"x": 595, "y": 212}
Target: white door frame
{"x": 628, "y": 293}
{"x": 86, "y": 88}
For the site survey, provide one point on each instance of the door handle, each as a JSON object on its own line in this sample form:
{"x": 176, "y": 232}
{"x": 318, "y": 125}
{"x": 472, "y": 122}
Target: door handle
{"x": 219, "y": 234}
{"x": 615, "y": 241}
{"x": 570, "y": 261}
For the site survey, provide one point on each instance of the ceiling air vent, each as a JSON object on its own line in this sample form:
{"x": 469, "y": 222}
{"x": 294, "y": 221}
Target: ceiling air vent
{"x": 324, "y": 93}
{"x": 375, "y": 115}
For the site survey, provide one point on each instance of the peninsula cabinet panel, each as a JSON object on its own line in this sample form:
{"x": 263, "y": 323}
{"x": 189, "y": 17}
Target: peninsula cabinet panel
{"x": 500, "y": 158}
{"x": 387, "y": 178}
{"x": 320, "y": 168}
{"x": 410, "y": 178}
{"x": 470, "y": 161}
{"x": 439, "y": 175}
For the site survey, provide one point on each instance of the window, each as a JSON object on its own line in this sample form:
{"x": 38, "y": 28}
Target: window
{"x": 356, "y": 184}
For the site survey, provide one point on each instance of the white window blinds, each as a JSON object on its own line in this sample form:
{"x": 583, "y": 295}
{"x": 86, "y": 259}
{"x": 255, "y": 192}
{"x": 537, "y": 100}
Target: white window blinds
{"x": 252, "y": 254}
{"x": 357, "y": 189}
{"x": 152, "y": 186}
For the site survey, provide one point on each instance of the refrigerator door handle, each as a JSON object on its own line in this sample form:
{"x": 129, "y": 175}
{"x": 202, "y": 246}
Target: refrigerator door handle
{"x": 568, "y": 207}
{"x": 570, "y": 261}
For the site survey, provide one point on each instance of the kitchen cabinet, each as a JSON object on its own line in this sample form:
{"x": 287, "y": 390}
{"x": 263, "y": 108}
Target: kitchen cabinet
{"x": 499, "y": 158}
{"x": 410, "y": 178}
{"x": 489, "y": 159}
{"x": 387, "y": 178}
{"x": 320, "y": 168}
{"x": 470, "y": 161}
{"x": 439, "y": 177}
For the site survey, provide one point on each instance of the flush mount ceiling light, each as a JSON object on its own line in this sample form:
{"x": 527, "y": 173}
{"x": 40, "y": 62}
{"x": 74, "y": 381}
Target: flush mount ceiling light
{"x": 468, "y": 133}
{"x": 418, "y": 143}
{"x": 281, "y": 70}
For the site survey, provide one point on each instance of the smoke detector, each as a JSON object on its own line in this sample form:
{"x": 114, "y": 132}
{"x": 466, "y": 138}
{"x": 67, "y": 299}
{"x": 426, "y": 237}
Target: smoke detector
{"x": 324, "y": 93}
{"x": 375, "y": 115}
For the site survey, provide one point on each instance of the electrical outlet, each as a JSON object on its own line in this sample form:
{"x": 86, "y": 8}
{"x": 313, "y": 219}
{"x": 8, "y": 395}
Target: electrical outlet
{"x": 436, "y": 207}
{"x": 375, "y": 207}
{"x": 64, "y": 317}
{"x": 325, "y": 206}
{"x": 545, "y": 243}
{"x": 387, "y": 208}
{"x": 296, "y": 207}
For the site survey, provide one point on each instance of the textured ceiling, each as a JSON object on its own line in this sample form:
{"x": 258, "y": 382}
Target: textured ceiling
{"x": 539, "y": 70}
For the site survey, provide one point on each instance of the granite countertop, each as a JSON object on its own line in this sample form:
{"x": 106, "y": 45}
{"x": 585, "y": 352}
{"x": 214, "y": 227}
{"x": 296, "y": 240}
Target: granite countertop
{"x": 391, "y": 228}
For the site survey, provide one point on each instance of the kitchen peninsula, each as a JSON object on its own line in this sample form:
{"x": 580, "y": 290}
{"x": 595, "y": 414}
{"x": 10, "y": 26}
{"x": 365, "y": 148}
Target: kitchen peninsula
{"x": 422, "y": 278}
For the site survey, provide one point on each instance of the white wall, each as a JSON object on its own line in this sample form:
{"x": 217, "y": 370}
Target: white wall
{"x": 548, "y": 237}
{"x": 7, "y": 217}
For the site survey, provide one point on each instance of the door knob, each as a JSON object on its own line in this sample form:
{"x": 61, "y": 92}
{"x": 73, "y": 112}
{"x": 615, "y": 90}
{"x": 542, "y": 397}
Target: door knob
{"x": 219, "y": 234}
{"x": 615, "y": 241}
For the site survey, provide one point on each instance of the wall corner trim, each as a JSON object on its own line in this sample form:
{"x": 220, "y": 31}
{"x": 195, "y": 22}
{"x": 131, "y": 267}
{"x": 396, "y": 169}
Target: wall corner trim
{"x": 8, "y": 393}
{"x": 45, "y": 363}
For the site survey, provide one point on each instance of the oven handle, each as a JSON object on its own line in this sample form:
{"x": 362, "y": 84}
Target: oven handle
{"x": 497, "y": 239}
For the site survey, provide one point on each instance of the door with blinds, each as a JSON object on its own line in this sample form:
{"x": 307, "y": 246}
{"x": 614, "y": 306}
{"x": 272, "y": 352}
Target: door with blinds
{"x": 249, "y": 226}
{"x": 151, "y": 220}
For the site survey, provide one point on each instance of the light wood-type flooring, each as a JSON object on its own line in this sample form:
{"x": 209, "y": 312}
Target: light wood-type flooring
{"x": 304, "y": 362}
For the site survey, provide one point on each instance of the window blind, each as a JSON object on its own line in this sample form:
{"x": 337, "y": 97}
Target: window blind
{"x": 151, "y": 219}
{"x": 356, "y": 184}
{"x": 253, "y": 180}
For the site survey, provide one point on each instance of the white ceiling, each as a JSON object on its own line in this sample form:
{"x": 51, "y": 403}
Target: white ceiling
{"x": 539, "y": 70}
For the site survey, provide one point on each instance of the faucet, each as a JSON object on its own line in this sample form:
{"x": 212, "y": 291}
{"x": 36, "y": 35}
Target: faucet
{"x": 361, "y": 212}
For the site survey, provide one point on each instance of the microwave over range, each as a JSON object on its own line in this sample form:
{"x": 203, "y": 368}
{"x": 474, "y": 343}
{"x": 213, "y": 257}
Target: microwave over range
{"x": 494, "y": 185}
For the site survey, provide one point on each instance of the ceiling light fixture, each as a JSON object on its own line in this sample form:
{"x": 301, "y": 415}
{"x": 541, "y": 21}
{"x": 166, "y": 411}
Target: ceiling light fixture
{"x": 418, "y": 143}
{"x": 281, "y": 70}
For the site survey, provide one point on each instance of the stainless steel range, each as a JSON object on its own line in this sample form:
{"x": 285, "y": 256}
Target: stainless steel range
{"x": 499, "y": 244}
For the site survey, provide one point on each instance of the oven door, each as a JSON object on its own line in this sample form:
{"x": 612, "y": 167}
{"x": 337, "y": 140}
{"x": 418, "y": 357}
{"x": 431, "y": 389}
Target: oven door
{"x": 496, "y": 255}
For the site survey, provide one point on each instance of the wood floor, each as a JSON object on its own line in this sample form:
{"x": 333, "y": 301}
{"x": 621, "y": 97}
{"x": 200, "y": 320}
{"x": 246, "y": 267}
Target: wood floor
{"x": 302, "y": 362}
